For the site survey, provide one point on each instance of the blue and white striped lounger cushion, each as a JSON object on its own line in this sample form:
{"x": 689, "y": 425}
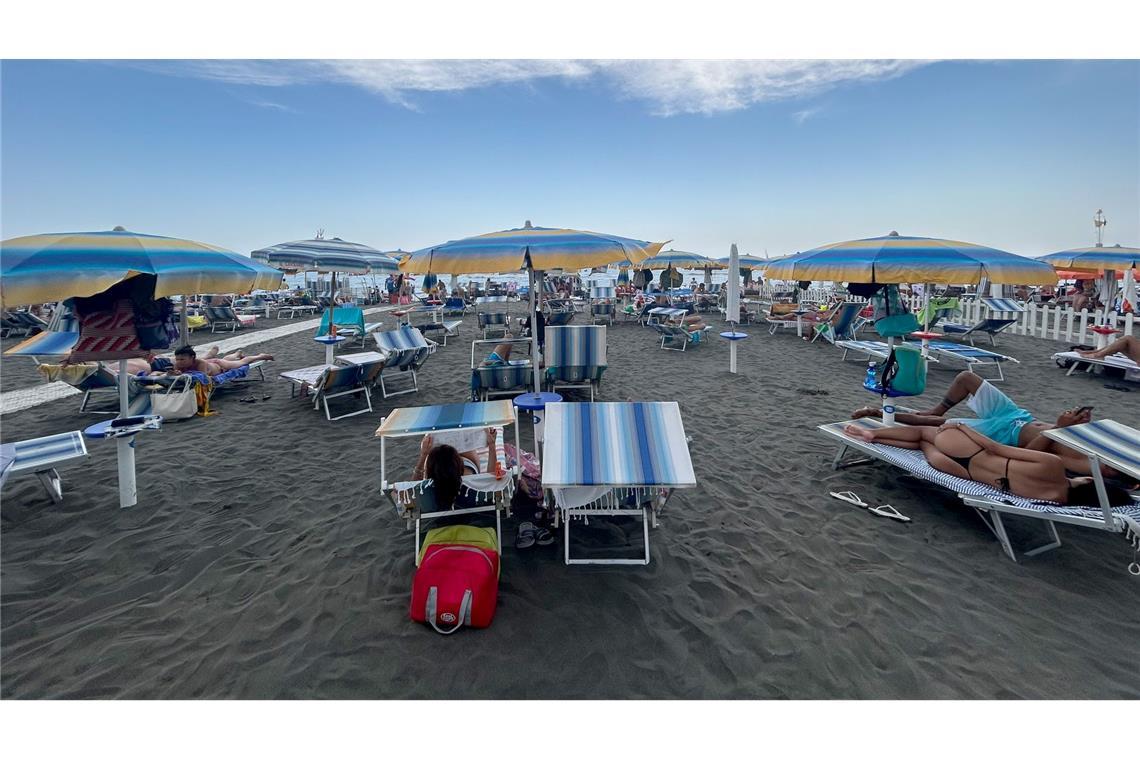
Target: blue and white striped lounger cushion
{"x": 915, "y": 463}
{"x": 968, "y": 353}
{"x": 876, "y": 348}
{"x": 1003, "y": 305}
{"x": 44, "y": 453}
{"x": 407, "y": 347}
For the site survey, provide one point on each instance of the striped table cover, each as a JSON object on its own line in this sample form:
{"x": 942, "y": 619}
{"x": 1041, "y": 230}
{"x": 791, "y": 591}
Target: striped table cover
{"x": 668, "y": 313}
{"x": 1113, "y": 443}
{"x": 639, "y": 443}
{"x": 425, "y": 419}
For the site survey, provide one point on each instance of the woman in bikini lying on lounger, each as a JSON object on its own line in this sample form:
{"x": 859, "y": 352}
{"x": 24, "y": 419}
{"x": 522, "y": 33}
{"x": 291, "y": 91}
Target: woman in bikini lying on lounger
{"x": 958, "y": 450}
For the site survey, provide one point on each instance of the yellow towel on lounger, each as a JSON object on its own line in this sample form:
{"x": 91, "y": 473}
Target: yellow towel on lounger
{"x": 193, "y": 323}
{"x": 72, "y": 374}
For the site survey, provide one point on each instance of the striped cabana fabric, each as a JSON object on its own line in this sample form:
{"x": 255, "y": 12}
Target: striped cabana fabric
{"x": 634, "y": 444}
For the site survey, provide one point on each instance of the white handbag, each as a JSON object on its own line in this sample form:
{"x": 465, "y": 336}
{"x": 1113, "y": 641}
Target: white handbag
{"x": 175, "y": 403}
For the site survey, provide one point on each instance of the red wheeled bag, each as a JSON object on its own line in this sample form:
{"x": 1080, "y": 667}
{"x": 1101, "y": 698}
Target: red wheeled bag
{"x": 456, "y": 585}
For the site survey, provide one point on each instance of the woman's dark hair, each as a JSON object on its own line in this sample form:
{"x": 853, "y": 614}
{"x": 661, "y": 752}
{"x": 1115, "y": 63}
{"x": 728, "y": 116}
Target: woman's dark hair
{"x": 185, "y": 351}
{"x": 1085, "y": 495}
{"x": 445, "y": 468}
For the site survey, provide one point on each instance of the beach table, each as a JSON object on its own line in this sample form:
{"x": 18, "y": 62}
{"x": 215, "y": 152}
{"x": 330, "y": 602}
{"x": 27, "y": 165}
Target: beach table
{"x": 330, "y": 343}
{"x": 614, "y": 458}
{"x": 461, "y": 426}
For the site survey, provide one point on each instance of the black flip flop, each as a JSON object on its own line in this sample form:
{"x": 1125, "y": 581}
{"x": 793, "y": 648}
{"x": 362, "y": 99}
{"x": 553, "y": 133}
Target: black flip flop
{"x": 247, "y": 400}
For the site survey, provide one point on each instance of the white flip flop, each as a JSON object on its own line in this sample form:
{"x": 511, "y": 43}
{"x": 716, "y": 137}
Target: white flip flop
{"x": 851, "y": 498}
{"x": 886, "y": 510}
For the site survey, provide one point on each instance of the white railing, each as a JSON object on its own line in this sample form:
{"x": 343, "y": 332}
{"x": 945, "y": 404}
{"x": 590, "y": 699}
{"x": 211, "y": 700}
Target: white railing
{"x": 1057, "y": 323}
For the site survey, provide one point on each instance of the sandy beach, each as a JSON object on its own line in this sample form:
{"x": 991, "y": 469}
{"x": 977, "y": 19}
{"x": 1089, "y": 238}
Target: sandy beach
{"x": 263, "y": 562}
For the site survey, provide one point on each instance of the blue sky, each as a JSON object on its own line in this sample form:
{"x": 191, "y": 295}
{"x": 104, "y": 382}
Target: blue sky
{"x": 775, "y": 156}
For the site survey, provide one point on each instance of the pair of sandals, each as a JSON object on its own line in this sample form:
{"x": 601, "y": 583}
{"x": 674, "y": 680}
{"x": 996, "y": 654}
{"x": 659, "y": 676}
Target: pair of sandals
{"x": 883, "y": 510}
{"x": 531, "y": 534}
{"x": 253, "y": 399}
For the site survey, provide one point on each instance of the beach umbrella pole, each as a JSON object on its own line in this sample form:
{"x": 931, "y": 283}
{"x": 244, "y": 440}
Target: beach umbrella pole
{"x": 532, "y": 290}
{"x": 128, "y": 492}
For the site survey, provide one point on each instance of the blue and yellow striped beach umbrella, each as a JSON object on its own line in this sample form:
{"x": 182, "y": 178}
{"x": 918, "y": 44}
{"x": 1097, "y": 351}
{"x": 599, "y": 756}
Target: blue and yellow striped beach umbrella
{"x": 1097, "y": 258}
{"x": 539, "y": 248}
{"x": 896, "y": 259}
{"x": 55, "y": 266}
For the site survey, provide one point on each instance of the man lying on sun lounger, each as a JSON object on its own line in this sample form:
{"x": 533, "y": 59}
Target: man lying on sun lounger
{"x": 1128, "y": 345}
{"x": 186, "y": 360}
{"x": 1000, "y": 420}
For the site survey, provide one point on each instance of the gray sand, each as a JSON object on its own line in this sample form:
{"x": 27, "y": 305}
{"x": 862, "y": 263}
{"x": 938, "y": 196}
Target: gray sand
{"x": 262, "y": 562}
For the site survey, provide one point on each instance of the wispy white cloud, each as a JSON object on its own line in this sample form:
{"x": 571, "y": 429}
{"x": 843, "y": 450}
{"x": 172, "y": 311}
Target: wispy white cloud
{"x": 799, "y": 117}
{"x": 272, "y": 105}
{"x": 668, "y": 87}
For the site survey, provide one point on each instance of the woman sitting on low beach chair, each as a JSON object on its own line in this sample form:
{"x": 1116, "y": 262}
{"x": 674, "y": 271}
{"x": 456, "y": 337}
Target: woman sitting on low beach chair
{"x": 958, "y": 450}
{"x": 446, "y": 467}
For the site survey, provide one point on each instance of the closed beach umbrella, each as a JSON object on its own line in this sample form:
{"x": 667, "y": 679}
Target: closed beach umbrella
{"x": 530, "y": 248}
{"x": 897, "y": 259}
{"x": 58, "y": 266}
{"x": 732, "y": 300}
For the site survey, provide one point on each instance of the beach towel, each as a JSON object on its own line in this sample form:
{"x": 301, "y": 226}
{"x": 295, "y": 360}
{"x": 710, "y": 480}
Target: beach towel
{"x": 72, "y": 374}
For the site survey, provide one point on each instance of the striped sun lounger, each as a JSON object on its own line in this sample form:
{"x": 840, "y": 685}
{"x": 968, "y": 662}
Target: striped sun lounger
{"x": 491, "y": 315}
{"x": 611, "y": 459}
{"x": 407, "y": 350}
{"x": 461, "y": 426}
{"x": 975, "y": 358}
{"x": 1109, "y": 440}
{"x": 508, "y": 379}
{"x": 40, "y": 456}
{"x": 1003, "y": 314}
{"x": 329, "y": 382}
{"x": 575, "y": 356}
{"x": 876, "y": 349}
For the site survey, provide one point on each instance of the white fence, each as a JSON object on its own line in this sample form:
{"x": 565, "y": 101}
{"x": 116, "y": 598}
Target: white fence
{"x": 1039, "y": 320}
